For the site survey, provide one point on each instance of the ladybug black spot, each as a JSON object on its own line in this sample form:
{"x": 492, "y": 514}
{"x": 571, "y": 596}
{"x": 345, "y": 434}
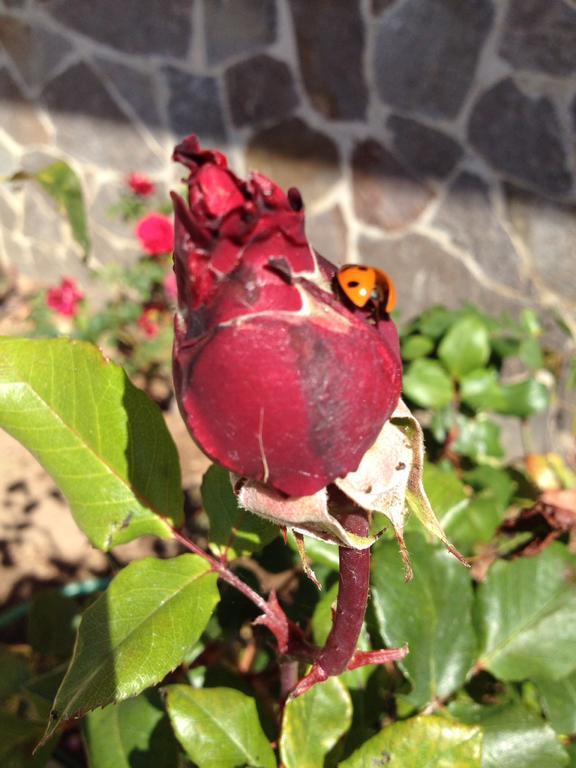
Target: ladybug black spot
{"x": 353, "y": 284}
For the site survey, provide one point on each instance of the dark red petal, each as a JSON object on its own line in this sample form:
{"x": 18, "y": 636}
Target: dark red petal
{"x": 290, "y": 401}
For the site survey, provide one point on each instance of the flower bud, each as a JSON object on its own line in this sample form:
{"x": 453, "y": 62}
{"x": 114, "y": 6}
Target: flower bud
{"x": 277, "y": 380}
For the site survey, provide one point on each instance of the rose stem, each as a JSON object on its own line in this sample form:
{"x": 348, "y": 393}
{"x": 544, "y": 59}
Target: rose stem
{"x": 288, "y": 677}
{"x": 224, "y": 573}
{"x": 276, "y": 619}
{"x": 353, "y": 583}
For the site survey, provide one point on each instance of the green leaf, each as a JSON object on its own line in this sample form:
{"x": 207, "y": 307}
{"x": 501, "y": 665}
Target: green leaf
{"x": 446, "y": 493}
{"x": 438, "y": 630}
{"x": 492, "y": 481}
{"x": 559, "y": 702}
{"x": 50, "y": 624}
{"x": 481, "y": 390}
{"x": 313, "y": 723}
{"x": 416, "y": 346}
{"x": 466, "y": 346}
{"x": 505, "y": 346}
{"x": 218, "y": 727}
{"x": 103, "y": 441}
{"x": 321, "y": 552}
{"x": 421, "y": 742}
{"x": 441, "y": 422}
{"x": 525, "y": 398}
{"x": 233, "y": 530}
{"x": 526, "y": 615}
{"x": 427, "y": 384}
{"x": 435, "y": 321}
{"x": 132, "y": 733}
{"x": 477, "y": 524}
{"x": 530, "y": 353}
{"x": 14, "y": 671}
{"x": 571, "y": 374}
{"x": 478, "y": 438}
{"x": 60, "y": 182}
{"x": 530, "y": 322}
{"x": 148, "y": 620}
{"x": 19, "y": 738}
{"x": 323, "y": 615}
{"x": 514, "y": 737}
{"x": 466, "y": 519}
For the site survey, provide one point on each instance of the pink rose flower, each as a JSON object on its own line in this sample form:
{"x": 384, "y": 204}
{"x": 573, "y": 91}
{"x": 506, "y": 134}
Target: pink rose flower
{"x": 65, "y": 298}
{"x": 156, "y": 234}
{"x": 140, "y": 184}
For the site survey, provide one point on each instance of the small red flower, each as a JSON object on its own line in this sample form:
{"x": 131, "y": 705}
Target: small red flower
{"x": 148, "y": 322}
{"x": 140, "y": 184}
{"x": 156, "y": 234}
{"x": 65, "y": 298}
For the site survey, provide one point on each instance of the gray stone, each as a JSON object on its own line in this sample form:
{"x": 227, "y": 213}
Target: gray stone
{"x": 260, "y": 90}
{"x": 234, "y": 27}
{"x": 101, "y": 209}
{"x": 144, "y": 27}
{"x": 42, "y": 219}
{"x": 424, "y": 275}
{"x": 540, "y": 36}
{"x": 9, "y": 162}
{"x": 33, "y": 162}
{"x": 90, "y": 125}
{"x": 326, "y": 233}
{"x": 293, "y": 154}
{"x": 109, "y": 250}
{"x": 380, "y": 5}
{"x": 548, "y": 234}
{"x": 426, "y": 53}
{"x": 35, "y": 51}
{"x": 18, "y": 116}
{"x": 14, "y": 253}
{"x": 330, "y": 36}
{"x": 467, "y": 214}
{"x": 385, "y": 193}
{"x": 7, "y": 213}
{"x": 137, "y": 88}
{"x": 427, "y": 151}
{"x": 521, "y": 137}
{"x": 53, "y": 263}
{"x": 194, "y": 105}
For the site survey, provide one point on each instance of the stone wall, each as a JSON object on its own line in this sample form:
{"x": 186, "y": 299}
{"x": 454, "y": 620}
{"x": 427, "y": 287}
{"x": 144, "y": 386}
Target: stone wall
{"x": 435, "y": 138}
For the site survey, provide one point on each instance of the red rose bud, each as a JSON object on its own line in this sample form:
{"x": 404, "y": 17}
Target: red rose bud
{"x": 156, "y": 234}
{"x": 140, "y": 184}
{"x": 65, "y": 298}
{"x": 276, "y": 379}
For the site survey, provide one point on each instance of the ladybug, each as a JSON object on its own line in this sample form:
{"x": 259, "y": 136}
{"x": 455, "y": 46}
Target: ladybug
{"x": 363, "y": 285}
